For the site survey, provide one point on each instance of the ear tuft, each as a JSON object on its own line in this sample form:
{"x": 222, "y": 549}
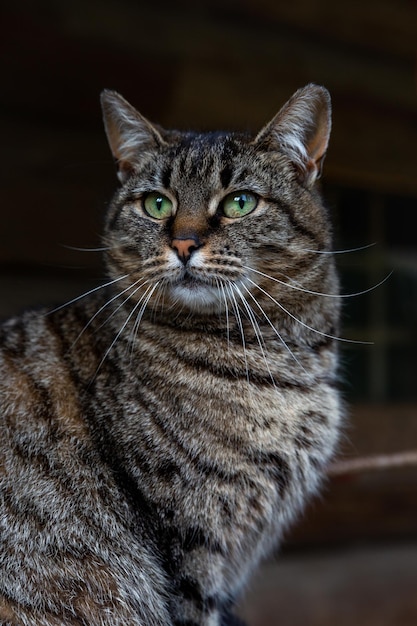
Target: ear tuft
{"x": 129, "y": 133}
{"x": 301, "y": 130}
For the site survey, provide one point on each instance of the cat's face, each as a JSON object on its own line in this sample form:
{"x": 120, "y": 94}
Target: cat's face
{"x": 202, "y": 221}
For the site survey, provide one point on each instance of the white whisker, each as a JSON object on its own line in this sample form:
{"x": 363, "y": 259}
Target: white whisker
{"x": 121, "y": 331}
{"x": 256, "y": 328}
{"x": 87, "y": 293}
{"x": 240, "y": 325}
{"x": 226, "y": 308}
{"x": 314, "y": 330}
{"x": 144, "y": 299}
{"x": 347, "y": 251}
{"x": 318, "y": 293}
{"x": 159, "y": 299}
{"x": 121, "y": 305}
{"x": 77, "y": 249}
{"x": 278, "y": 334}
{"x": 104, "y": 306}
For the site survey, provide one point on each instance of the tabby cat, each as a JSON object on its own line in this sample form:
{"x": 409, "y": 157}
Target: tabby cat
{"x": 159, "y": 433}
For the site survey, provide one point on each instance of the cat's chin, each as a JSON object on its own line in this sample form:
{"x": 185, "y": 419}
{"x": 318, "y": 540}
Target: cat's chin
{"x": 196, "y": 296}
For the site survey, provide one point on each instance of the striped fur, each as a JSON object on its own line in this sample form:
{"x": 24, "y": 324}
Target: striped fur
{"x": 160, "y": 434}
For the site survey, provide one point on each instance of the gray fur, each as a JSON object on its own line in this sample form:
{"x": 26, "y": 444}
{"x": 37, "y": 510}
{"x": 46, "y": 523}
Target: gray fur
{"x": 160, "y": 434}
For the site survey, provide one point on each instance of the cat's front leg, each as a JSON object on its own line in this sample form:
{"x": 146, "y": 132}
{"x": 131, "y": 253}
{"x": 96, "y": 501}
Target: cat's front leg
{"x": 210, "y": 618}
{"x": 203, "y": 596}
{"x": 229, "y": 619}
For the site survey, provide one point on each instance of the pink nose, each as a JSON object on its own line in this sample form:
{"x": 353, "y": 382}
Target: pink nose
{"x": 185, "y": 247}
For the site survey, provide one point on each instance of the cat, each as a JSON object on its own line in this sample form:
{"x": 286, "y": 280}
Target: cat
{"x": 160, "y": 433}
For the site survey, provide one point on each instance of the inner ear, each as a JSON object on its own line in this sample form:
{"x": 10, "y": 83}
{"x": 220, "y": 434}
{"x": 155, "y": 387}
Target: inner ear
{"x": 301, "y": 130}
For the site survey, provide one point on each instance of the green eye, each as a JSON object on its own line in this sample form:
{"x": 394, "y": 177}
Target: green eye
{"x": 239, "y": 203}
{"x": 157, "y": 205}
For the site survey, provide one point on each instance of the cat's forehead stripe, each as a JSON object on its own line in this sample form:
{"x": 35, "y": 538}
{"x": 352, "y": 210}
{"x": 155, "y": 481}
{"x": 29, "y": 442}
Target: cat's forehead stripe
{"x": 226, "y": 176}
{"x": 207, "y": 156}
{"x": 166, "y": 177}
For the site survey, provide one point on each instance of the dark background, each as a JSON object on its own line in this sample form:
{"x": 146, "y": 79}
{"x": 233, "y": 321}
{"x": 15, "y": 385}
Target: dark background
{"x": 226, "y": 64}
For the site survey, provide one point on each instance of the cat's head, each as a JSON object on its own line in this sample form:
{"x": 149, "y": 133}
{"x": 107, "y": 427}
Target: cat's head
{"x": 203, "y": 220}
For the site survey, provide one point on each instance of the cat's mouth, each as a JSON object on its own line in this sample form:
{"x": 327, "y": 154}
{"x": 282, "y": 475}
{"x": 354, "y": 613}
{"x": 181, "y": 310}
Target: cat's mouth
{"x": 191, "y": 282}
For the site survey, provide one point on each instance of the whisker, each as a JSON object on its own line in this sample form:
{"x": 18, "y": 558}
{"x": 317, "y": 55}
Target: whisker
{"x": 87, "y": 293}
{"x": 235, "y": 307}
{"x": 163, "y": 292}
{"x": 256, "y": 328}
{"x": 314, "y": 330}
{"x": 347, "y": 251}
{"x": 121, "y": 331}
{"x": 278, "y": 334}
{"x": 124, "y": 301}
{"x": 226, "y": 308}
{"x": 104, "y": 306}
{"x": 159, "y": 299}
{"x": 319, "y": 293}
{"x": 144, "y": 299}
{"x": 77, "y": 249}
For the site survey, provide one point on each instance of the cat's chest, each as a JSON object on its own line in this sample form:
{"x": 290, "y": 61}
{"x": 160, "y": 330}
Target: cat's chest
{"x": 207, "y": 429}
{"x": 208, "y": 391}
{"x": 200, "y": 445}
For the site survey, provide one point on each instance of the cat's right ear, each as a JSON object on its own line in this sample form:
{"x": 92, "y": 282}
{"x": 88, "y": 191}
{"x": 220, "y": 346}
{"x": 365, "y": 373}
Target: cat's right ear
{"x": 129, "y": 133}
{"x": 301, "y": 130}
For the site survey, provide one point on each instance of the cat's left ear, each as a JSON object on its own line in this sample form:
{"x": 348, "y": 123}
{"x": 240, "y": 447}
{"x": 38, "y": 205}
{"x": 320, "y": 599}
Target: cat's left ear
{"x": 301, "y": 130}
{"x": 129, "y": 133}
